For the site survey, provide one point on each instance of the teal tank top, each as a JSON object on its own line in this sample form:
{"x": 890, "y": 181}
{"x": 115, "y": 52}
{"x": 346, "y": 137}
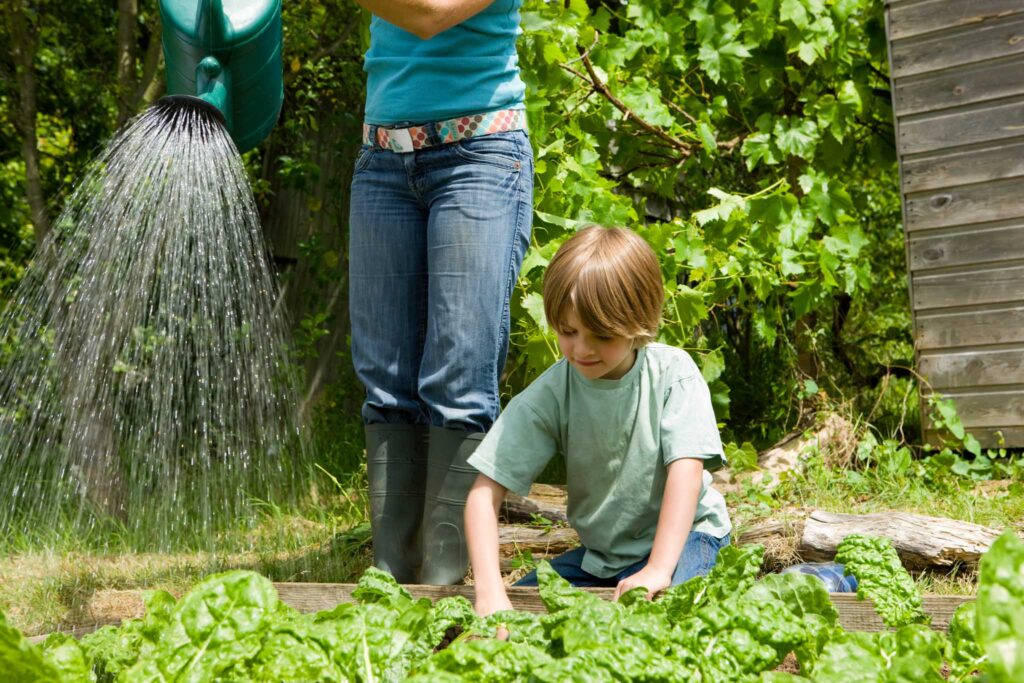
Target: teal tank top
{"x": 470, "y": 68}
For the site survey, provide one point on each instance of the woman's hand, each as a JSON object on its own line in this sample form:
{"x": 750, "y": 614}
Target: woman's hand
{"x": 651, "y": 578}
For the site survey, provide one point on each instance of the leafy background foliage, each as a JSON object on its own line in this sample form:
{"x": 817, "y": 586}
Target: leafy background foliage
{"x": 750, "y": 141}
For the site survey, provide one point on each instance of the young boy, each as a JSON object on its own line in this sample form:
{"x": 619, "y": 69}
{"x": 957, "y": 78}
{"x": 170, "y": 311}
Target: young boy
{"x": 633, "y": 420}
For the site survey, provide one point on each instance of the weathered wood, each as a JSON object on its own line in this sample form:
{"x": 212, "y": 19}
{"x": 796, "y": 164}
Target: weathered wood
{"x": 956, "y": 206}
{"x": 860, "y": 615}
{"x": 969, "y": 84}
{"x": 544, "y": 500}
{"x": 972, "y": 368}
{"x": 916, "y": 18}
{"x": 966, "y": 246}
{"x": 961, "y": 126}
{"x": 963, "y": 166}
{"x": 520, "y": 538}
{"x": 920, "y": 541}
{"x": 989, "y": 437}
{"x": 854, "y": 614}
{"x": 948, "y": 329}
{"x": 950, "y": 48}
{"x": 968, "y": 287}
{"x": 989, "y": 408}
{"x": 75, "y": 631}
{"x": 958, "y": 96}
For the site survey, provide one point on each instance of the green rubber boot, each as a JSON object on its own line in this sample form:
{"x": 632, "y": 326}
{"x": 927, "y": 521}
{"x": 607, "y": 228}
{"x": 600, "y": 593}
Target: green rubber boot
{"x": 396, "y": 466}
{"x": 449, "y": 478}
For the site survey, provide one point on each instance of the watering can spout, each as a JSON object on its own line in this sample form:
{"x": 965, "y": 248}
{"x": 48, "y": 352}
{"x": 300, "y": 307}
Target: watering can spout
{"x": 227, "y": 53}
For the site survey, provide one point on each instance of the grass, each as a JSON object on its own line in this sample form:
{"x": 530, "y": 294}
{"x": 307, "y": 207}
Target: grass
{"x": 70, "y": 581}
{"x": 58, "y": 582}
{"x": 845, "y": 488}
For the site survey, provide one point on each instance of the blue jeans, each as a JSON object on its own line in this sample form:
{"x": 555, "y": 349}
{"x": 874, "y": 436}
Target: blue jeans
{"x": 697, "y": 559}
{"x": 436, "y": 239}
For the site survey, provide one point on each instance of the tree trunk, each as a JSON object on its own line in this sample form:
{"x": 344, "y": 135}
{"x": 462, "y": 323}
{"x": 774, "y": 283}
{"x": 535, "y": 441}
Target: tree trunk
{"x": 23, "y": 50}
{"x": 135, "y": 91}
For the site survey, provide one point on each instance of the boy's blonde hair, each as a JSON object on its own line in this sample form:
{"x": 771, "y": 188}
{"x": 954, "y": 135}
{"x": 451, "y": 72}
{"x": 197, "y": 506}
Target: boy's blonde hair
{"x": 610, "y": 277}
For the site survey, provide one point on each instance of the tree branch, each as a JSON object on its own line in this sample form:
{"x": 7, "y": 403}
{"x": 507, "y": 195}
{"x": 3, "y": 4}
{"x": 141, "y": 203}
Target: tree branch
{"x": 600, "y": 86}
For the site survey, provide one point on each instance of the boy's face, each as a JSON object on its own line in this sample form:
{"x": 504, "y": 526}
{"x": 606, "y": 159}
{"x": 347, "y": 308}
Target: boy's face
{"x": 594, "y": 356}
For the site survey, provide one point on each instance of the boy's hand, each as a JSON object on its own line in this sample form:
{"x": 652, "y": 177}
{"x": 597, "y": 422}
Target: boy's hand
{"x": 651, "y": 578}
{"x": 486, "y": 606}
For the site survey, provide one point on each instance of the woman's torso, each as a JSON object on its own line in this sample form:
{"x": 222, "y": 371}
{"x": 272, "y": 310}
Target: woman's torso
{"x": 470, "y": 68}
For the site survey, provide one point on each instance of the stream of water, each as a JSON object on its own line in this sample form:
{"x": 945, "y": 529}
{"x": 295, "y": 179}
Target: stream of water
{"x": 144, "y": 378}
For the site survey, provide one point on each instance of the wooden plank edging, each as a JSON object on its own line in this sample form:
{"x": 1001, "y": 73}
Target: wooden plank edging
{"x": 854, "y": 614}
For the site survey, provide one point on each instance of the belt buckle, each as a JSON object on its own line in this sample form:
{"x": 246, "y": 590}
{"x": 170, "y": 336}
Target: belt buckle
{"x": 400, "y": 140}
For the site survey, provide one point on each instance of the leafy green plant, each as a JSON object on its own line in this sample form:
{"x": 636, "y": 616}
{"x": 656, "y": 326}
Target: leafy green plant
{"x": 725, "y": 627}
{"x": 882, "y": 578}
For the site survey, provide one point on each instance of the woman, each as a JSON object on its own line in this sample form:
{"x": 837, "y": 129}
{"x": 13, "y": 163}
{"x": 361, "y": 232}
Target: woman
{"x": 440, "y": 221}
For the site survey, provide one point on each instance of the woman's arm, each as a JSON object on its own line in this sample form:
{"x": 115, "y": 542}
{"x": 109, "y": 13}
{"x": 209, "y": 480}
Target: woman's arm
{"x": 482, "y": 538}
{"x": 678, "y": 507}
{"x": 425, "y": 18}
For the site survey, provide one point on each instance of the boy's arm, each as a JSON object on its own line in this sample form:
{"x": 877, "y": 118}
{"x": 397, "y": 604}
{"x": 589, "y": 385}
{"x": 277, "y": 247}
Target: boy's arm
{"x": 481, "y": 523}
{"x": 678, "y": 507}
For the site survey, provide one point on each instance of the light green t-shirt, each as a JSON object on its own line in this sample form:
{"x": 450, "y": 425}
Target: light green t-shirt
{"x": 618, "y": 437}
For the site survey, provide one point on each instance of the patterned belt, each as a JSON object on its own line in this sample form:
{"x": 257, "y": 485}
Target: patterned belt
{"x": 410, "y": 139}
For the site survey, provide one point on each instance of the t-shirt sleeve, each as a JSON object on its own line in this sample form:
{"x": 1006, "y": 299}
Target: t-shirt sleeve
{"x": 688, "y": 425}
{"x": 517, "y": 448}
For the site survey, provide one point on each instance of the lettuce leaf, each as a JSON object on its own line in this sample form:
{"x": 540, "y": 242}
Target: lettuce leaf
{"x": 882, "y": 578}
{"x": 999, "y": 616}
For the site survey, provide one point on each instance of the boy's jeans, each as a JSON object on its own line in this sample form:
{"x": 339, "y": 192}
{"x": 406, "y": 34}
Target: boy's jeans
{"x": 697, "y": 559}
{"x": 435, "y": 244}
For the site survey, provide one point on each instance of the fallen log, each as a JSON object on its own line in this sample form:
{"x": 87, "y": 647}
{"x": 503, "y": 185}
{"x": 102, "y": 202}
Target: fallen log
{"x": 544, "y": 501}
{"x": 921, "y": 541}
{"x": 537, "y": 540}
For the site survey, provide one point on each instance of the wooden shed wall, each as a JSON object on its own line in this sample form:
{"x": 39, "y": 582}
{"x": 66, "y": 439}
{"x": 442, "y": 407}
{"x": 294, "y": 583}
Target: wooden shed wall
{"x": 958, "y": 97}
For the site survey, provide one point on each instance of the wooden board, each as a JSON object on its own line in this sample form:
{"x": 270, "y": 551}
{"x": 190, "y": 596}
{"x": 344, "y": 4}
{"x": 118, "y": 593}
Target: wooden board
{"x": 966, "y": 327}
{"x": 961, "y": 126}
{"x": 955, "y": 87}
{"x": 972, "y": 368}
{"x": 992, "y": 437}
{"x": 1002, "y": 37}
{"x": 969, "y": 287}
{"x": 854, "y": 614}
{"x": 954, "y": 206}
{"x": 926, "y": 16}
{"x": 989, "y": 409}
{"x": 962, "y": 246}
{"x": 964, "y": 165}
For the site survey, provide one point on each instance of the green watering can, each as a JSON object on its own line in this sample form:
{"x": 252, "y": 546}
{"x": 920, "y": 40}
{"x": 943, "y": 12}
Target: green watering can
{"x": 227, "y": 53}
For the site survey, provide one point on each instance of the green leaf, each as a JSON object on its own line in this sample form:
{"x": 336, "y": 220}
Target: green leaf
{"x": 728, "y": 204}
{"x": 644, "y": 99}
{"x": 712, "y": 365}
{"x": 881, "y": 578}
{"x": 20, "y": 660}
{"x": 793, "y": 11}
{"x": 796, "y": 136}
{"x": 707, "y": 138}
{"x": 758, "y": 148}
{"x": 533, "y": 303}
{"x": 1000, "y": 610}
